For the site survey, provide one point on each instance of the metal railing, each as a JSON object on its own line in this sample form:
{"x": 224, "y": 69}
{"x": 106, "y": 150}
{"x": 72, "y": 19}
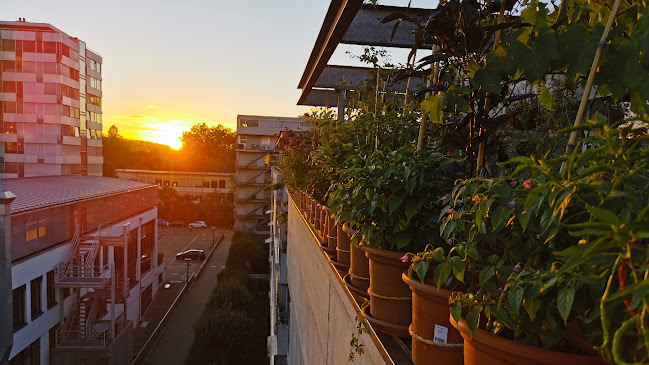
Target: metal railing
{"x": 62, "y": 332}
{"x": 90, "y": 258}
{"x": 79, "y": 272}
{"x": 74, "y": 248}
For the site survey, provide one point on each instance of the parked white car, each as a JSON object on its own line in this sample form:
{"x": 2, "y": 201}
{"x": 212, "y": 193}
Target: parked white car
{"x": 198, "y": 224}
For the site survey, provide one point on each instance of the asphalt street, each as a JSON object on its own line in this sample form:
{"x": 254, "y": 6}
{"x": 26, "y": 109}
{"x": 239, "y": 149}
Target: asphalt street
{"x": 177, "y": 239}
{"x": 178, "y": 336}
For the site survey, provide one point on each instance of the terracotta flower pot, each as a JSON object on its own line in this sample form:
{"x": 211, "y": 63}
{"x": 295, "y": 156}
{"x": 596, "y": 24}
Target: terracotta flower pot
{"x": 332, "y": 231}
{"x": 485, "y": 348}
{"x": 430, "y": 313}
{"x": 342, "y": 245}
{"x": 390, "y": 297}
{"x": 359, "y": 265}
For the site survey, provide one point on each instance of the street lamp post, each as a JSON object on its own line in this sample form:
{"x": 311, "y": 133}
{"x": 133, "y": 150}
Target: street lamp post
{"x": 187, "y": 277}
{"x": 213, "y": 230}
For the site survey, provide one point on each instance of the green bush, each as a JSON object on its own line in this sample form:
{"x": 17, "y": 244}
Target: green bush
{"x": 244, "y": 252}
{"x": 234, "y": 273}
{"x": 222, "y": 328}
{"x": 230, "y": 293}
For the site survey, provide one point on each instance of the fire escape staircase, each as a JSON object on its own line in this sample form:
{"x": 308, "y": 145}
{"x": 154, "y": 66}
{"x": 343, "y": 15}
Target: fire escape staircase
{"x": 78, "y": 271}
{"x": 81, "y": 327}
{"x": 252, "y": 164}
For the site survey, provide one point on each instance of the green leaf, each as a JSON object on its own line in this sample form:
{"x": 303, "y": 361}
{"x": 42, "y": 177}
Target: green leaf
{"x": 458, "y": 267}
{"x": 546, "y": 98}
{"x": 394, "y": 202}
{"x": 421, "y": 268}
{"x": 473, "y": 318}
{"x": 603, "y": 215}
{"x": 499, "y": 217}
{"x": 532, "y": 306}
{"x": 564, "y": 301}
{"x": 401, "y": 239}
{"x": 413, "y": 207}
{"x": 486, "y": 274}
{"x": 433, "y": 106}
{"x": 515, "y": 299}
{"x": 638, "y": 295}
{"x": 441, "y": 273}
{"x": 456, "y": 311}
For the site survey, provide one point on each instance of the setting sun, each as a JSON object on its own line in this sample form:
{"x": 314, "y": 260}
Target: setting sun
{"x": 169, "y": 137}
{"x": 166, "y": 132}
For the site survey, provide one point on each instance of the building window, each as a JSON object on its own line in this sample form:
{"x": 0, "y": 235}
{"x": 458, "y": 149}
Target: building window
{"x": 19, "y": 308}
{"x": 94, "y": 65}
{"x": 36, "y": 232}
{"x": 15, "y": 147}
{"x": 94, "y": 83}
{"x": 95, "y": 117}
{"x": 94, "y": 100}
{"x": 9, "y": 128}
{"x": 36, "y": 290}
{"x": 51, "y": 290}
{"x": 49, "y": 47}
{"x": 73, "y": 112}
{"x": 206, "y": 184}
{"x": 11, "y": 167}
{"x": 214, "y": 184}
{"x": 221, "y": 184}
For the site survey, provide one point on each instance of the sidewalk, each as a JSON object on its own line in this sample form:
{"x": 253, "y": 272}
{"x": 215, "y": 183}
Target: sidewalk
{"x": 163, "y": 305}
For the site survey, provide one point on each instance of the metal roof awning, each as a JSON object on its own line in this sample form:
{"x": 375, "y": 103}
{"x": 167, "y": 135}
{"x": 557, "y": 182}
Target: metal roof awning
{"x": 350, "y": 22}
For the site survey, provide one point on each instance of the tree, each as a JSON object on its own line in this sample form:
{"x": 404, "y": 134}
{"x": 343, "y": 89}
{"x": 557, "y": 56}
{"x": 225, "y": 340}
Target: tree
{"x": 217, "y": 209}
{"x": 113, "y": 132}
{"x": 210, "y": 148}
{"x": 115, "y": 151}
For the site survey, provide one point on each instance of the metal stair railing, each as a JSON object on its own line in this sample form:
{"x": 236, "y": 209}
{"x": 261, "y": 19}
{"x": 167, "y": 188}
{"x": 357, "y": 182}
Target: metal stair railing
{"x": 259, "y": 223}
{"x": 255, "y": 193}
{"x": 63, "y": 332}
{"x": 252, "y": 178}
{"x": 89, "y": 266}
{"x": 89, "y": 324}
{"x": 74, "y": 249}
{"x": 257, "y": 159}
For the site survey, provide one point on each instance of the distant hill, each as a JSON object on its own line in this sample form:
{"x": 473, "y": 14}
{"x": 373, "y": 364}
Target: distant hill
{"x": 209, "y": 149}
{"x": 137, "y": 145}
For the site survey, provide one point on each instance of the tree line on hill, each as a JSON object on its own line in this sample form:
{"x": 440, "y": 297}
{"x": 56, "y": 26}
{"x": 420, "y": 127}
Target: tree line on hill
{"x": 204, "y": 148}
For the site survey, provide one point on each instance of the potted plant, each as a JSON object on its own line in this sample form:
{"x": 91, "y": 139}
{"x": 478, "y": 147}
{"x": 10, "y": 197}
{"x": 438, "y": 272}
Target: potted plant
{"x": 587, "y": 268}
{"x": 394, "y": 209}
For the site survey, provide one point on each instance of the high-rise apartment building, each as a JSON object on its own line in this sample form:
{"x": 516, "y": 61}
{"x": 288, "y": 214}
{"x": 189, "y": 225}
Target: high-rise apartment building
{"x": 256, "y": 138}
{"x": 50, "y": 103}
{"x": 79, "y": 260}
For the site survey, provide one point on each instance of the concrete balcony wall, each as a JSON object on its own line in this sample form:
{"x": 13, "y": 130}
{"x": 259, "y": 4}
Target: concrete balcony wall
{"x": 322, "y": 311}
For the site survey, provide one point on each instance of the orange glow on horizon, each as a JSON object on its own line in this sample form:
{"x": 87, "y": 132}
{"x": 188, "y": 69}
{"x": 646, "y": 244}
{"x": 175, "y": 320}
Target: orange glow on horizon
{"x": 169, "y": 137}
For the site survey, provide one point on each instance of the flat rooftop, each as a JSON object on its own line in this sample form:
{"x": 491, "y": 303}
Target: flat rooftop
{"x": 44, "y": 191}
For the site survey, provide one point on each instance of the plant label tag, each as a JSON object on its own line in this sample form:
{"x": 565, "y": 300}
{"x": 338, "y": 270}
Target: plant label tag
{"x": 441, "y": 334}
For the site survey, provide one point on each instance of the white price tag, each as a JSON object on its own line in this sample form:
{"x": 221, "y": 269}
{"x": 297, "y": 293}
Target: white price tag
{"x": 441, "y": 334}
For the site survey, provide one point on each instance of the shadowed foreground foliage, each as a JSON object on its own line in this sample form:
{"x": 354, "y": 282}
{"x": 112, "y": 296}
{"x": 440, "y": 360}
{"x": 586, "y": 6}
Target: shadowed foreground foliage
{"x": 234, "y": 325}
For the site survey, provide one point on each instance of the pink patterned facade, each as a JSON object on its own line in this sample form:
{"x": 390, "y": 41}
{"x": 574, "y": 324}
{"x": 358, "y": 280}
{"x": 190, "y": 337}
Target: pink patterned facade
{"x": 50, "y": 103}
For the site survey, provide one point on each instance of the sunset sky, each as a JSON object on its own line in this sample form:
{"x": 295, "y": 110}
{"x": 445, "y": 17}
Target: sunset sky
{"x": 171, "y": 64}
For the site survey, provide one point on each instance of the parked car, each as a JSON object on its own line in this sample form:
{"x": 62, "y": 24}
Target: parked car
{"x": 198, "y": 224}
{"x": 177, "y": 224}
{"x": 191, "y": 255}
{"x": 162, "y": 222}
